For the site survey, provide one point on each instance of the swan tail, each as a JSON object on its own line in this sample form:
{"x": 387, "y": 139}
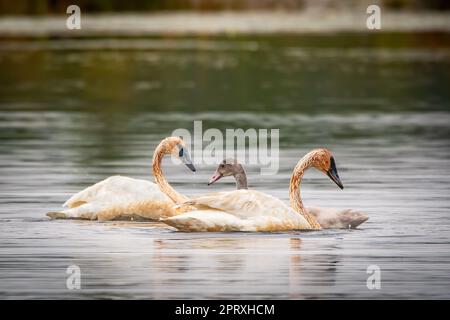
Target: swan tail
{"x": 57, "y": 215}
{"x": 338, "y": 219}
{"x": 83, "y": 212}
{"x": 357, "y": 218}
{"x": 142, "y": 210}
{"x": 350, "y": 219}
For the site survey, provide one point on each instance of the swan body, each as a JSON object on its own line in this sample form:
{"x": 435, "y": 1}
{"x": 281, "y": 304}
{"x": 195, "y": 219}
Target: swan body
{"x": 114, "y": 197}
{"x": 239, "y": 210}
{"x": 118, "y": 196}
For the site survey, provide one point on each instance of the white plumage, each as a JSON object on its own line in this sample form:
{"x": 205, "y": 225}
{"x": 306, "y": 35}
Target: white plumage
{"x": 113, "y": 192}
{"x": 118, "y": 189}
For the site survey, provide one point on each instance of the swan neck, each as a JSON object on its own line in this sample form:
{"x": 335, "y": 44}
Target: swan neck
{"x": 161, "y": 180}
{"x": 241, "y": 180}
{"x": 294, "y": 192}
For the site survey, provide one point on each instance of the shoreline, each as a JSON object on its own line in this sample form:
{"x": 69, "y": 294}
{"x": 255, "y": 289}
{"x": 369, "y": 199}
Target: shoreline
{"x": 221, "y": 23}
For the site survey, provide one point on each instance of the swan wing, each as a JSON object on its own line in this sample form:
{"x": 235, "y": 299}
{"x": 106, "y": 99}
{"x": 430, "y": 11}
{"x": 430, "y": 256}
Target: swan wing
{"x": 242, "y": 203}
{"x": 206, "y": 220}
{"x": 246, "y": 204}
{"x": 117, "y": 189}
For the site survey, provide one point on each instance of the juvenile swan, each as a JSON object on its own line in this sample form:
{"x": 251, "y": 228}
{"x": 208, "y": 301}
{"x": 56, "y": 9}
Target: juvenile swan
{"x": 250, "y": 210}
{"x": 327, "y": 218}
{"x": 119, "y": 196}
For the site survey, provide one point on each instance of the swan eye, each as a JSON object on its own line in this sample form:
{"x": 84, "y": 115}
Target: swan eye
{"x": 181, "y": 152}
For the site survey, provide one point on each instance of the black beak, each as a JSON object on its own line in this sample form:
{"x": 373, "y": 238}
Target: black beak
{"x": 190, "y": 166}
{"x": 333, "y": 174}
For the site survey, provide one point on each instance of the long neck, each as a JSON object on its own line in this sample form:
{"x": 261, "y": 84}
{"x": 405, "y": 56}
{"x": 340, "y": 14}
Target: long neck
{"x": 241, "y": 180}
{"x": 161, "y": 180}
{"x": 294, "y": 191}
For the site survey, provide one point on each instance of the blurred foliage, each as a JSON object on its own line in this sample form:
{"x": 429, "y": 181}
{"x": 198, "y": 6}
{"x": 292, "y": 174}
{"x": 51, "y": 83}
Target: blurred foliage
{"x": 345, "y": 73}
{"x": 37, "y": 7}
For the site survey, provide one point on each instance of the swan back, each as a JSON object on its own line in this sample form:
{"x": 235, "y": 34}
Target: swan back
{"x": 117, "y": 189}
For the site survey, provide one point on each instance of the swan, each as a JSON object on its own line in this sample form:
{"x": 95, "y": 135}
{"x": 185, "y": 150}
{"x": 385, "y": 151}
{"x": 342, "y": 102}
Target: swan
{"x": 327, "y": 218}
{"x": 251, "y": 210}
{"x": 119, "y": 196}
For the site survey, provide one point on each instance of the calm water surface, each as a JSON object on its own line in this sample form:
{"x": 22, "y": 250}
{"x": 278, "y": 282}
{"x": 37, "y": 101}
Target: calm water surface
{"x": 73, "y": 112}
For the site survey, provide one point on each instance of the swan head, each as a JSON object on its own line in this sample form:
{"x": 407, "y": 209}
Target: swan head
{"x": 323, "y": 160}
{"x": 176, "y": 147}
{"x": 228, "y": 167}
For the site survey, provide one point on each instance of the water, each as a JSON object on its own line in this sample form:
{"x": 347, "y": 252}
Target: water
{"x": 73, "y": 112}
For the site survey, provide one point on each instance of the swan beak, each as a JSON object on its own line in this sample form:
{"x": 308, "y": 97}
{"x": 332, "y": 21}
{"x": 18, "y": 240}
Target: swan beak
{"x": 333, "y": 175}
{"x": 186, "y": 159}
{"x": 190, "y": 166}
{"x": 216, "y": 176}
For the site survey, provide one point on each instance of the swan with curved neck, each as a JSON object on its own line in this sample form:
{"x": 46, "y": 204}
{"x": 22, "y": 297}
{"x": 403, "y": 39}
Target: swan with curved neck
{"x": 251, "y": 210}
{"x": 324, "y": 217}
{"x": 120, "y": 196}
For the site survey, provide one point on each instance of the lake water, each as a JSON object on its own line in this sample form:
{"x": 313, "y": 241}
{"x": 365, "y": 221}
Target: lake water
{"x": 73, "y": 112}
